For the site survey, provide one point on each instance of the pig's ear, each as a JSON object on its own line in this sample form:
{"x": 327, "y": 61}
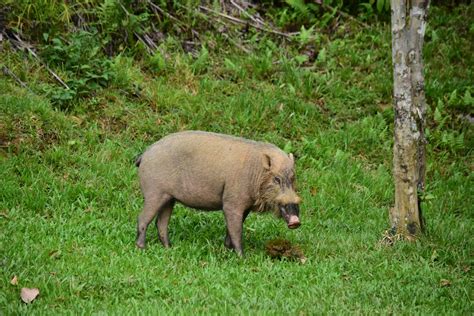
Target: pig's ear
{"x": 291, "y": 157}
{"x": 266, "y": 161}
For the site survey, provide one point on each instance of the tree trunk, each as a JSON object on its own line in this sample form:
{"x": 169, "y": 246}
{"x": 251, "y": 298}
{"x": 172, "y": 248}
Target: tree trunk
{"x": 408, "y": 29}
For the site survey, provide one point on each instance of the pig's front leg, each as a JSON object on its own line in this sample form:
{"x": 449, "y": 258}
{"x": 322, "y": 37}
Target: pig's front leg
{"x": 234, "y": 220}
{"x": 228, "y": 241}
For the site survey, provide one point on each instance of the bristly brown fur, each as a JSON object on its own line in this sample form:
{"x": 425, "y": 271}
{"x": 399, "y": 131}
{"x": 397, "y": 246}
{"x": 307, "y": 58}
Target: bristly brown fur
{"x": 266, "y": 195}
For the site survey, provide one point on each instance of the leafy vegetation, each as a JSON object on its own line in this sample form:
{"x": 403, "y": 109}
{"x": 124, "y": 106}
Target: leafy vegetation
{"x": 70, "y": 193}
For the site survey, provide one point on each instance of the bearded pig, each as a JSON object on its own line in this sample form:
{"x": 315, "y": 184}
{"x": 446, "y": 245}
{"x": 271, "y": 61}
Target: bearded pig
{"x": 210, "y": 171}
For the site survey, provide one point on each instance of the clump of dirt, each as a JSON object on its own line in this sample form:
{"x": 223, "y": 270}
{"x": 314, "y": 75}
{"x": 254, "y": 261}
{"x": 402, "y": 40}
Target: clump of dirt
{"x": 282, "y": 248}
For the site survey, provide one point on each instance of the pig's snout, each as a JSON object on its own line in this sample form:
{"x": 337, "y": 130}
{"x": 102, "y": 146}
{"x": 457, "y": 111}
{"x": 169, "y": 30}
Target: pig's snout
{"x": 293, "y": 222}
{"x": 290, "y": 213}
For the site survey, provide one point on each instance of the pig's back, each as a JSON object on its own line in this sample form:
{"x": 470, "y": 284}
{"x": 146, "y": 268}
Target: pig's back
{"x": 192, "y": 146}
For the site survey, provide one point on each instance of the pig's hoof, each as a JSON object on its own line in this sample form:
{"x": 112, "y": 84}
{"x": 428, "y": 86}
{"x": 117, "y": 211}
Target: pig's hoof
{"x": 228, "y": 243}
{"x": 166, "y": 245}
{"x": 140, "y": 245}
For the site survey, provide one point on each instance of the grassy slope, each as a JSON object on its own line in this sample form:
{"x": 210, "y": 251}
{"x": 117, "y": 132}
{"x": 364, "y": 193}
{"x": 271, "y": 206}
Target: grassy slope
{"x": 70, "y": 194}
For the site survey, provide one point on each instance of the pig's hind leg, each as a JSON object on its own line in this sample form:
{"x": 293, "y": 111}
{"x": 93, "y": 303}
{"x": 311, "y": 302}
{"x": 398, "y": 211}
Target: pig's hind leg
{"x": 162, "y": 221}
{"x": 153, "y": 205}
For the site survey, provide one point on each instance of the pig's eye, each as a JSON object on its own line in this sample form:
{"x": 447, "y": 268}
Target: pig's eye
{"x": 277, "y": 180}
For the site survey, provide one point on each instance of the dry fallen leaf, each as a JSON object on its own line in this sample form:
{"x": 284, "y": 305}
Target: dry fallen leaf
{"x": 14, "y": 281}
{"x": 28, "y": 295}
{"x": 76, "y": 120}
{"x": 445, "y": 282}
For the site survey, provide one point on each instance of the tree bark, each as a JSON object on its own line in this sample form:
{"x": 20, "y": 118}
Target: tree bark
{"x": 408, "y": 29}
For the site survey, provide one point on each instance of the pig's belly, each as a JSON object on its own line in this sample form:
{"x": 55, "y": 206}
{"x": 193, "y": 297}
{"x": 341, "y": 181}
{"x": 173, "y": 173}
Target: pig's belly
{"x": 201, "y": 204}
{"x": 199, "y": 198}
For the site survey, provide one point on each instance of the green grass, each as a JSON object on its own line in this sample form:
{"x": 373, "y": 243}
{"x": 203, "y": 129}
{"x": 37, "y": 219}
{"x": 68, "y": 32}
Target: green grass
{"x": 69, "y": 193}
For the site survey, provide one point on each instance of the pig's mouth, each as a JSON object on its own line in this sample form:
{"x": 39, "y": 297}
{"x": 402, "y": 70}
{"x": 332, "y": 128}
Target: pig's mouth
{"x": 290, "y": 213}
